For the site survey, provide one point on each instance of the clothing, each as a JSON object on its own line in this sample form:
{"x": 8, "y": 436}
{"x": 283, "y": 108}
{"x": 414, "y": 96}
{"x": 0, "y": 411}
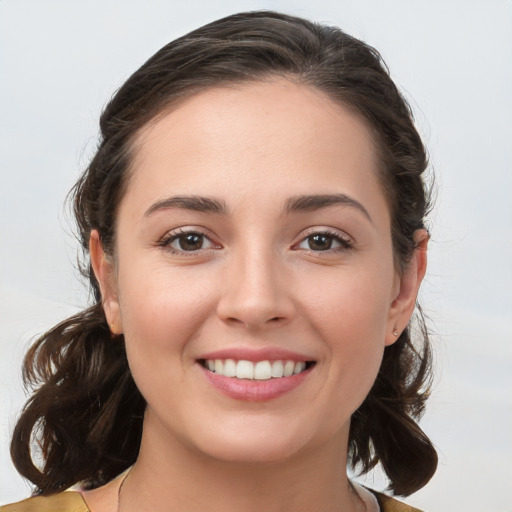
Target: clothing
{"x": 71, "y": 501}
{"x": 68, "y": 501}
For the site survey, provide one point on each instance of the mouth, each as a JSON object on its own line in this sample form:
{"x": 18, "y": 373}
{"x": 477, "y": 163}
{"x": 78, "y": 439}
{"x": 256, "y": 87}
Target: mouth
{"x": 256, "y": 370}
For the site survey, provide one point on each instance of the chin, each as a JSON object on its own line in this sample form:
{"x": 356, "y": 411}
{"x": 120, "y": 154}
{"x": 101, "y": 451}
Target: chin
{"x": 252, "y": 453}
{"x": 257, "y": 444}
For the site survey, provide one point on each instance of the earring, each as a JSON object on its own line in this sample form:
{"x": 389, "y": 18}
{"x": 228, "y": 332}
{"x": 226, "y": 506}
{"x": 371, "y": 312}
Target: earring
{"x": 395, "y": 332}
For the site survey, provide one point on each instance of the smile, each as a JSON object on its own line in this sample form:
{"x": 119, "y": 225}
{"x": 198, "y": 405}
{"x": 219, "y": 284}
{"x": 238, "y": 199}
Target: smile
{"x": 260, "y": 370}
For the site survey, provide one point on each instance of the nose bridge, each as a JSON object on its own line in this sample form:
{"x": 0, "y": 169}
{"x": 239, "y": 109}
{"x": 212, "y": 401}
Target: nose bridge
{"x": 253, "y": 293}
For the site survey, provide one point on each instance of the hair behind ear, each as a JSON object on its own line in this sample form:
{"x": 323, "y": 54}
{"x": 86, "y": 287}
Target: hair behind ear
{"x": 86, "y": 412}
{"x": 384, "y": 429}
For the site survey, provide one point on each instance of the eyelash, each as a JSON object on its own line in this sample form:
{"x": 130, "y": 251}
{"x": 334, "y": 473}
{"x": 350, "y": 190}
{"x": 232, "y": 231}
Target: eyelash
{"x": 166, "y": 241}
{"x": 345, "y": 242}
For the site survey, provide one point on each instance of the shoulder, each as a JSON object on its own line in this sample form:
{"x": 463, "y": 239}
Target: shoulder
{"x": 63, "y": 502}
{"x": 388, "y": 504}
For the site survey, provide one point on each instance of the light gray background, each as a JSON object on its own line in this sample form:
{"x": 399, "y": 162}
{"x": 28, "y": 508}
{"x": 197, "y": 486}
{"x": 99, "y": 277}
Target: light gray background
{"x": 61, "y": 60}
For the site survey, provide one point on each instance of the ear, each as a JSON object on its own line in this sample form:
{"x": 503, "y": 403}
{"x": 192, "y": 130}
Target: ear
{"x": 104, "y": 270}
{"x": 407, "y": 288}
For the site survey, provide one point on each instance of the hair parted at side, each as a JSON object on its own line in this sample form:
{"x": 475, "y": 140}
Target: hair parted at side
{"x": 86, "y": 412}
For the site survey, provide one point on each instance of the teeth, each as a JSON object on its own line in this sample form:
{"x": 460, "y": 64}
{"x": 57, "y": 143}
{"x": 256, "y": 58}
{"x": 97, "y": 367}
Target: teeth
{"x": 299, "y": 367}
{"x": 289, "y": 366}
{"x": 262, "y": 370}
{"x": 229, "y": 369}
{"x": 277, "y": 369}
{"x": 245, "y": 370}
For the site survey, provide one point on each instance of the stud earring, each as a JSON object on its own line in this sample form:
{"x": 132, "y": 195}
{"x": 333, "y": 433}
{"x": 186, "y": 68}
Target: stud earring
{"x": 395, "y": 332}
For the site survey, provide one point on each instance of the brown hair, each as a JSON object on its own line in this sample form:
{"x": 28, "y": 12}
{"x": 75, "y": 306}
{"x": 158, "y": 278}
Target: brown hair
{"x": 86, "y": 412}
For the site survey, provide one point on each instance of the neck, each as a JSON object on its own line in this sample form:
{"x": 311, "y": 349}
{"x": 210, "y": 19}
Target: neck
{"x": 176, "y": 477}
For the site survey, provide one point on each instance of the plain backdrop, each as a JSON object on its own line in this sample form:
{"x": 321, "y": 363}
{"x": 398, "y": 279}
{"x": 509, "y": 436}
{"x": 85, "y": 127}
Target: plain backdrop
{"x": 61, "y": 60}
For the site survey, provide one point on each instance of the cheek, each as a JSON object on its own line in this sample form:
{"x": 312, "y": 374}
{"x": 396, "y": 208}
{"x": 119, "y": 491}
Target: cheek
{"x": 162, "y": 313}
{"x": 352, "y": 303}
{"x": 350, "y": 314}
{"x": 161, "y": 310}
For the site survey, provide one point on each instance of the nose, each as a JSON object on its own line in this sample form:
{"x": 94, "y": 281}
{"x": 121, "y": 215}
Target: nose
{"x": 254, "y": 292}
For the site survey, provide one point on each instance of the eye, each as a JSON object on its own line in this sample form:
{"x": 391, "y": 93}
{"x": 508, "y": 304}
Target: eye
{"x": 324, "y": 241}
{"x": 186, "y": 242}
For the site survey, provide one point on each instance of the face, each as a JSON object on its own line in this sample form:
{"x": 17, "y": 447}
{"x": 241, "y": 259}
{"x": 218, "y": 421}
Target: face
{"x": 254, "y": 242}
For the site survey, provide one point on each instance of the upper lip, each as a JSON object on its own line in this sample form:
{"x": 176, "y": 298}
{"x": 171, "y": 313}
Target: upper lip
{"x": 255, "y": 355}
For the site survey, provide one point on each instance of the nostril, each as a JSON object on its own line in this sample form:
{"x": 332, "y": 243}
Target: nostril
{"x": 234, "y": 320}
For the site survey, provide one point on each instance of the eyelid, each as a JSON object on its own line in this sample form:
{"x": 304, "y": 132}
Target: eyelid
{"x": 346, "y": 241}
{"x": 174, "y": 234}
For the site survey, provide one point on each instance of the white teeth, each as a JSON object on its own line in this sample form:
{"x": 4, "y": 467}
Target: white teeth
{"x": 299, "y": 367}
{"x": 277, "y": 369}
{"x": 288, "y": 368}
{"x": 229, "y": 369}
{"x": 262, "y": 370}
{"x": 245, "y": 370}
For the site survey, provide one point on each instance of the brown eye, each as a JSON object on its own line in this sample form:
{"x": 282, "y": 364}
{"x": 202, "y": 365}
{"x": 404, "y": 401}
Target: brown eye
{"x": 324, "y": 241}
{"x": 186, "y": 242}
{"x": 319, "y": 242}
{"x": 190, "y": 242}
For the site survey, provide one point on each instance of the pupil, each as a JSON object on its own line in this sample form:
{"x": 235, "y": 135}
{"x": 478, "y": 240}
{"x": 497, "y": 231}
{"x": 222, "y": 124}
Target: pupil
{"x": 191, "y": 242}
{"x": 320, "y": 242}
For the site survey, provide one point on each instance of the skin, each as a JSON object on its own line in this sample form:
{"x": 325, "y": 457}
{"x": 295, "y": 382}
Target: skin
{"x": 258, "y": 281}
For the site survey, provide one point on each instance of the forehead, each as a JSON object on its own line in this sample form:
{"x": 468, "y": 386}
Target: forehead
{"x": 241, "y": 138}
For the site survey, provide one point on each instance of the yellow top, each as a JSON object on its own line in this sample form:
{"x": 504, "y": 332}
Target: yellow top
{"x": 71, "y": 501}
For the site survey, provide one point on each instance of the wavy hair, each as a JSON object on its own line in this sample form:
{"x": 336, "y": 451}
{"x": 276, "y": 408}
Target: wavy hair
{"x": 86, "y": 412}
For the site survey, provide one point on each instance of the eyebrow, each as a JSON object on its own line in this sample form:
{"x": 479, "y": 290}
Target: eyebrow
{"x": 303, "y": 203}
{"x": 307, "y": 203}
{"x": 195, "y": 203}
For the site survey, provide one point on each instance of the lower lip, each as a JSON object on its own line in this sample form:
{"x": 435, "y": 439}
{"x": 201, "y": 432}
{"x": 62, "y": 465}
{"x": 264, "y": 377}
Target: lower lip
{"x": 254, "y": 390}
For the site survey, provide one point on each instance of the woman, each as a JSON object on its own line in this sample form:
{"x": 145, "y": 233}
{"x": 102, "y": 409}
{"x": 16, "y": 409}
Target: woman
{"x": 253, "y": 228}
